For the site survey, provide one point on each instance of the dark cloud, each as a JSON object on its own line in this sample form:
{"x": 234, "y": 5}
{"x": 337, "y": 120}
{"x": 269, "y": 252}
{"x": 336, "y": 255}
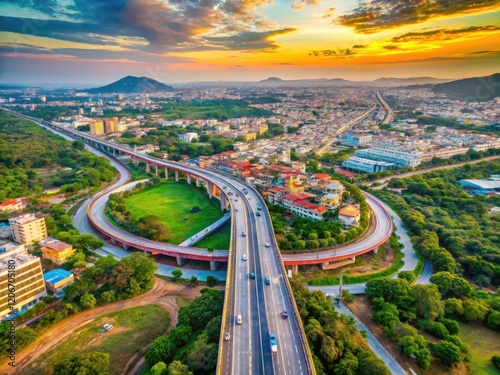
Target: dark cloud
{"x": 346, "y": 52}
{"x": 442, "y": 34}
{"x": 248, "y": 40}
{"x": 390, "y": 47}
{"x": 377, "y": 15}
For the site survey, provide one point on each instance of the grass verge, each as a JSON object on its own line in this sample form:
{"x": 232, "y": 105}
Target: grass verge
{"x": 134, "y": 328}
{"x": 172, "y": 203}
{"x": 218, "y": 239}
{"x": 483, "y": 344}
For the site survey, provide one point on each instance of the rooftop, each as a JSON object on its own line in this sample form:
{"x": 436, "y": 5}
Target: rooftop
{"x": 57, "y": 275}
{"x": 57, "y": 245}
{"x": 349, "y": 210}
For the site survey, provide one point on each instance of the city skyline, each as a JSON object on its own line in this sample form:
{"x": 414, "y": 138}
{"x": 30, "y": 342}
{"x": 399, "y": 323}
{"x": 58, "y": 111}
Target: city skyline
{"x": 97, "y": 42}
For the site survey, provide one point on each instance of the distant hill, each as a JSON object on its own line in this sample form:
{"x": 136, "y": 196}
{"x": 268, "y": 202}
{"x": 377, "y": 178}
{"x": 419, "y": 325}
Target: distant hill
{"x": 407, "y": 81}
{"x": 272, "y": 79}
{"x": 472, "y": 89}
{"x": 130, "y": 85}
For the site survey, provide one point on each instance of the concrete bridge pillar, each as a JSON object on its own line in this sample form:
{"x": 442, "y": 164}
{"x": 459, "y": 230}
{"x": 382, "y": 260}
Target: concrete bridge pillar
{"x": 166, "y": 173}
{"x": 113, "y": 241}
{"x": 197, "y": 182}
{"x": 176, "y": 176}
{"x": 214, "y": 265}
{"x": 295, "y": 269}
{"x": 210, "y": 187}
{"x": 156, "y": 170}
{"x": 375, "y": 251}
{"x": 189, "y": 178}
{"x": 181, "y": 261}
{"x": 114, "y": 153}
{"x": 148, "y": 167}
{"x": 126, "y": 247}
{"x": 223, "y": 202}
{"x": 146, "y": 253}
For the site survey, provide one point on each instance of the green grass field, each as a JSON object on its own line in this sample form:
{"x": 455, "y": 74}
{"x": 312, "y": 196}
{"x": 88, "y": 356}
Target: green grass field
{"x": 483, "y": 343}
{"x": 171, "y": 202}
{"x": 133, "y": 329}
{"x": 218, "y": 240}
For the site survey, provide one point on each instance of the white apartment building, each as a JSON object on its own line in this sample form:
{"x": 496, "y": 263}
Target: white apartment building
{"x": 188, "y": 137}
{"x": 366, "y": 165}
{"x": 400, "y": 159}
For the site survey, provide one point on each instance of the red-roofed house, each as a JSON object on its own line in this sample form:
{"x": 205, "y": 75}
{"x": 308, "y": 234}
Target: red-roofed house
{"x": 276, "y": 194}
{"x": 11, "y": 205}
{"x": 298, "y": 204}
{"x": 349, "y": 216}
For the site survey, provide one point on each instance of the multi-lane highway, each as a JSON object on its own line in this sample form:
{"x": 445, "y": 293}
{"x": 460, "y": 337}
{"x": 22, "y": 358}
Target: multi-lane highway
{"x": 248, "y": 349}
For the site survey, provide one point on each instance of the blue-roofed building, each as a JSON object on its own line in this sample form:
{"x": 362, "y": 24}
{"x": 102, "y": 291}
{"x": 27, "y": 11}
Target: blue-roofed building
{"x": 490, "y": 186}
{"x": 56, "y": 280}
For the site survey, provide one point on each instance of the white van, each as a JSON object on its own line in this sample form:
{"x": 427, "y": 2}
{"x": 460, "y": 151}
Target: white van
{"x": 239, "y": 320}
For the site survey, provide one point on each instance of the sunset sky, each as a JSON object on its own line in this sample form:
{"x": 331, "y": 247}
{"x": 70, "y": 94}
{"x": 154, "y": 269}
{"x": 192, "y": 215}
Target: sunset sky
{"x": 99, "y": 41}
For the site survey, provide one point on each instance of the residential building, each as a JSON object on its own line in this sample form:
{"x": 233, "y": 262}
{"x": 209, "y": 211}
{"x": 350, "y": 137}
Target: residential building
{"x": 28, "y": 229}
{"x": 58, "y": 279}
{"x": 29, "y": 285}
{"x": 366, "y": 165}
{"x": 349, "y": 216}
{"x": 250, "y": 136}
{"x": 299, "y": 206}
{"x": 96, "y": 127}
{"x": 300, "y": 166}
{"x": 57, "y": 251}
{"x": 275, "y": 195}
{"x": 400, "y": 159}
{"x": 263, "y": 128}
{"x": 487, "y": 145}
{"x": 358, "y": 139}
{"x": 12, "y": 205}
{"x": 188, "y": 137}
{"x": 111, "y": 125}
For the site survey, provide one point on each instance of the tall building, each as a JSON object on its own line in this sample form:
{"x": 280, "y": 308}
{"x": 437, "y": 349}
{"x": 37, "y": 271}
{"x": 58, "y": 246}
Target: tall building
{"x": 111, "y": 125}
{"x": 28, "y": 229}
{"x": 96, "y": 127}
{"x": 25, "y": 273}
{"x": 43, "y": 98}
{"x": 120, "y": 96}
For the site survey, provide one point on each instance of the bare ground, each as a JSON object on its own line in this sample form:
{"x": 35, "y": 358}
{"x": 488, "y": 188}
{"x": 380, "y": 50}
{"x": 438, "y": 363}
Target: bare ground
{"x": 164, "y": 294}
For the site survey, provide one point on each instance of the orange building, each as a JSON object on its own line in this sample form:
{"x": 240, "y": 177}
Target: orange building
{"x": 57, "y": 251}
{"x": 111, "y": 125}
{"x": 96, "y": 127}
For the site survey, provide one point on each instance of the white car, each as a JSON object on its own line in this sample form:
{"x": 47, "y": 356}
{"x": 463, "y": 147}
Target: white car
{"x": 267, "y": 244}
{"x": 227, "y": 336}
{"x": 244, "y": 257}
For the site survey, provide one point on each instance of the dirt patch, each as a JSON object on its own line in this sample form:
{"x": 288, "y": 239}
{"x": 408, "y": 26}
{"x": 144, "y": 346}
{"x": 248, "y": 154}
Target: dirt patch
{"x": 163, "y": 293}
{"x": 361, "y": 309}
